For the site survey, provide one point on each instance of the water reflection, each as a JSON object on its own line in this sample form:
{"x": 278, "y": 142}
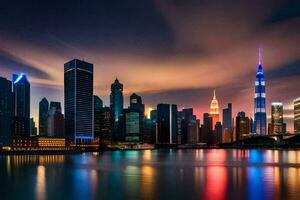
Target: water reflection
{"x": 159, "y": 174}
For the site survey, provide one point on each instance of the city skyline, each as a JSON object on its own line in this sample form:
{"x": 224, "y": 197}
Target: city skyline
{"x": 152, "y": 55}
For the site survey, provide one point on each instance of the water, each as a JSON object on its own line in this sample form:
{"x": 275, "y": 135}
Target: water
{"x": 157, "y": 174}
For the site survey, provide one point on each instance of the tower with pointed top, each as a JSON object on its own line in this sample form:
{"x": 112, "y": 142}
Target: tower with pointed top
{"x": 116, "y": 107}
{"x": 260, "y": 118}
{"x": 214, "y": 109}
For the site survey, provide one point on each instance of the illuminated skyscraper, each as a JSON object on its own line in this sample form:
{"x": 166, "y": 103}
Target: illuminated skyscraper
{"x": 116, "y": 107}
{"x": 21, "y": 93}
{"x": 297, "y": 115}
{"x": 98, "y": 106}
{"x": 43, "y": 115}
{"x": 260, "y": 118}
{"x": 277, "y": 117}
{"x": 79, "y": 111}
{"x": 214, "y": 110}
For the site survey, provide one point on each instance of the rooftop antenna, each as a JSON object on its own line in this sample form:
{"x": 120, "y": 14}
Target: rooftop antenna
{"x": 259, "y": 56}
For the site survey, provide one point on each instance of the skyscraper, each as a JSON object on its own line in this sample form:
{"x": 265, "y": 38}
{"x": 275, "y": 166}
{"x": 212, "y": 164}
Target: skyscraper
{"x": 297, "y": 115}
{"x": 242, "y": 125}
{"x": 214, "y": 110}
{"x": 55, "y": 121}
{"x": 6, "y": 111}
{"x": 136, "y": 104}
{"x": 132, "y": 125}
{"x": 166, "y": 124}
{"x": 116, "y": 107}
{"x": 79, "y": 102}
{"x": 227, "y": 123}
{"x": 98, "y": 105}
{"x": 277, "y": 117}
{"x": 21, "y": 94}
{"x": 43, "y": 115}
{"x": 186, "y": 117}
{"x": 260, "y": 118}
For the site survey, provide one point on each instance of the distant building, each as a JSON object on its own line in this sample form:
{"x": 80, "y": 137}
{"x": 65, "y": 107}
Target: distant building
{"x": 187, "y": 116}
{"x": 193, "y": 132}
{"x": 219, "y": 133}
{"x": 277, "y": 118}
{"x": 227, "y": 123}
{"x": 132, "y": 125}
{"x": 98, "y": 106}
{"x": 55, "y": 121}
{"x": 105, "y": 125}
{"x": 260, "y": 117}
{"x": 6, "y": 111}
{"x": 33, "y": 129}
{"x": 21, "y": 95}
{"x": 206, "y": 135}
{"x": 136, "y": 104}
{"x": 166, "y": 124}
{"x": 116, "y": 107}
{"x": 243, "y": 125}
{"x": 214, "y": 110}
{"x": 79, "y": 111}
{"x": 43, "y": 117}
{"x": 297, "y": 116}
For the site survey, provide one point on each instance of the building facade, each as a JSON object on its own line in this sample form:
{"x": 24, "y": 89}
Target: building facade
{"x": 79, "y": 101}
{"x": 277, "y": 125}
{"x": 242, "y": 125}
{"x": 297, "y": 116}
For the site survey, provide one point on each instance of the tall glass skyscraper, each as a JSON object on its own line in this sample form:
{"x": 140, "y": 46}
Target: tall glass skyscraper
{"x": 297, "y": 115}
{"x": 79, "y": 101}
{"x": 21, "y": 94}
{"x": 277, "y": 117}
{"x": 260, "y": 118}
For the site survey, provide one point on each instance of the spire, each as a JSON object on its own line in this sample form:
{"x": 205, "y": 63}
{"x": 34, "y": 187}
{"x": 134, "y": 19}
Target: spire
{"x": 259, "y": 56}
{"x": 214, "y": 94}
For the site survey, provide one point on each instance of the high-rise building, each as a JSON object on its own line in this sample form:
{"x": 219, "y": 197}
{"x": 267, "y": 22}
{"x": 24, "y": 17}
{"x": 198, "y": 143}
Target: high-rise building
{"x": 218, "y": 133}
{"x": 193, "y": 132}
{"x": 43, "y": 115}
{"x": 166, "y": 124}
{"x": 260, "y": 117}
{"x": 6, "y": 111}
{"x": 277, "y": 117}
{"x": 105, "y": 125}
{"x": 132, "y": 125}
{"x": 55, "y": 121}
{"x": 79, "y": 111}
{"x": 214, "y": 110}
{"x": 98, "y": 105}
{"x": 297, "y": 115}
{"x": 227, "y": 123}
{"x": 206, "y": 133}
{"x": 21, "y": 95}
{"x": 116, "y": 107}
{"x": 186, "y": 117}
{"x": 136, "y": 104}
{"x": 242, "y": 125}
{"x": 33, "y": 129}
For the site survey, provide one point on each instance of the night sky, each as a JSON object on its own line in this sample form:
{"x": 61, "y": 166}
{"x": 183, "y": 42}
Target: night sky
{"x": 173, "y": 51}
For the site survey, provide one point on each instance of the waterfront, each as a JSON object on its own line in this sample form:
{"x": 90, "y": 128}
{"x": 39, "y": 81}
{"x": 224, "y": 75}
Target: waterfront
{"x": 153, "y": 174}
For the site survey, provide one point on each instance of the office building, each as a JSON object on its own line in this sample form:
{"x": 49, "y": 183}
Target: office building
{"x": 98, "y": 105}
{"x": 260, "y": 117}
{"x": 297, "y": 116}
{"x": 6, "y": 111}
{"x": 227, "y": 123}
{"x": 79, "y": 111}
{"x": 277, "y": 126}
{"x": 243, "y": 125}
{"x": 55, "y": 121}
{"x": 21, "y": 95}
{"x": 105, "y": 125}
{"x": 166, "y": 124}
{"x": 43, "y": 117}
